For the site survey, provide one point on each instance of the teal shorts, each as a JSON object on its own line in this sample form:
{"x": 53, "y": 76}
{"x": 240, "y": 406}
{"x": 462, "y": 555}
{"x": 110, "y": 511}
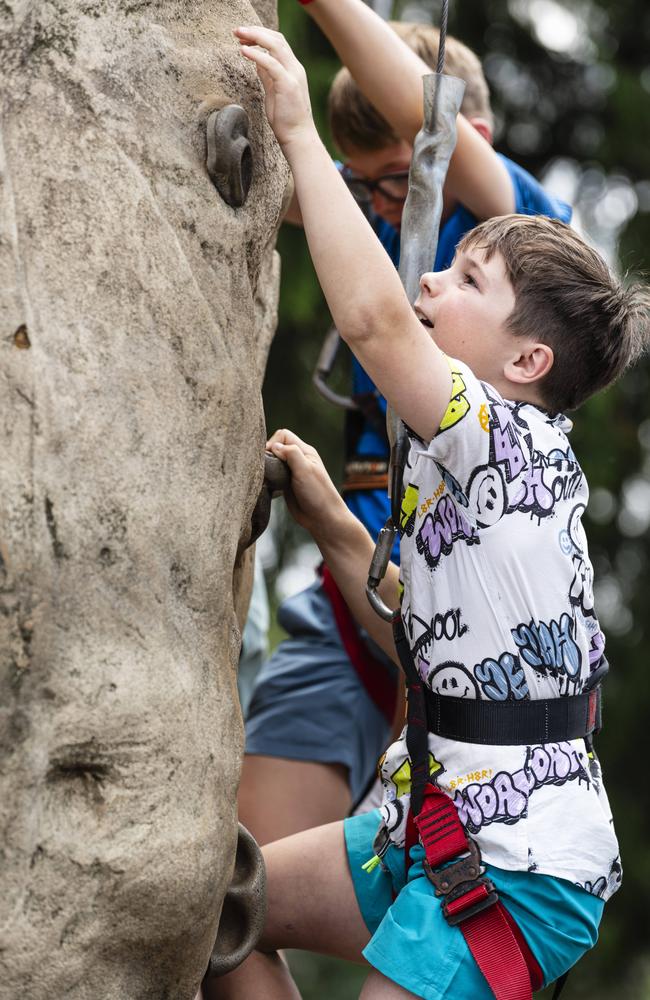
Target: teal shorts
{"x": 413, "y": 945}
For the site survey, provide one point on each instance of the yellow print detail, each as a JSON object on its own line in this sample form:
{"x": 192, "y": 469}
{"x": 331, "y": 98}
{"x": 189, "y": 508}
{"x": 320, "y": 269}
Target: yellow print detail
{"x": 471, "y": 778}
{"x": 458, "y": 404}
{"x": 409, "y": 507}
{"x": 431, "y": 500}
{"x": 401, "y": 778}
{"x": 484, "y": 417}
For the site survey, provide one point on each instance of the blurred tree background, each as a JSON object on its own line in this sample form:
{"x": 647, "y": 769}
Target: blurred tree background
{"x": 570, "y": 85}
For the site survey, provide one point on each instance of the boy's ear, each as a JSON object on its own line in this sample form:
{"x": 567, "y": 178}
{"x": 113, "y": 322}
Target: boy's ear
{"x": 483, "y": 128}
{"x": 533, "y": 363}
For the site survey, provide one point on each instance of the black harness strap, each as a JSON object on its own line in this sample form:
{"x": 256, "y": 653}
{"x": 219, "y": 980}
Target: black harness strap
{"x": 491, "y": 723}
{"x": 417, "y": 744}
{"x": 514, "y": 723}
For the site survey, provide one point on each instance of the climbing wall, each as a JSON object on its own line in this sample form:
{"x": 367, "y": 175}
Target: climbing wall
{"x": 136, "y": 311}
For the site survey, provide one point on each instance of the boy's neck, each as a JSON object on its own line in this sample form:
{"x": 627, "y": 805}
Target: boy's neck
{"x": 515, "y": 392}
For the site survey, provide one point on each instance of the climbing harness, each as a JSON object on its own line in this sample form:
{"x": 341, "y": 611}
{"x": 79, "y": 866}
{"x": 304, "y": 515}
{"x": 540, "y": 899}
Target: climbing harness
{"x": 452, "y": 859}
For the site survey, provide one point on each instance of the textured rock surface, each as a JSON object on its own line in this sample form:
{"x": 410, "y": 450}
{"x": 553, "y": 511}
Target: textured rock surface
{"x": 136, "y": 309}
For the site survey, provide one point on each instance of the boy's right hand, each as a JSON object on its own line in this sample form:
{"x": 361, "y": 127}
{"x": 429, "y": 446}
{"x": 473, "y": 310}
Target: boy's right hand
{"x": 284, "y": 80}
{"x": 313, "y": 499}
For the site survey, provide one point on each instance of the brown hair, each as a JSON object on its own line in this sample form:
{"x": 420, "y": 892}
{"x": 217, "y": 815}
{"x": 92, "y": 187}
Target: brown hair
{"x": 354, "y": 122}
{"x": 566, "y": 297}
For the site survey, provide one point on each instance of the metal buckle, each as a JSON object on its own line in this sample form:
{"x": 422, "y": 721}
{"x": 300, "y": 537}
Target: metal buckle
{"x": 466, "y": 869}
{"x": 454, "y": 881}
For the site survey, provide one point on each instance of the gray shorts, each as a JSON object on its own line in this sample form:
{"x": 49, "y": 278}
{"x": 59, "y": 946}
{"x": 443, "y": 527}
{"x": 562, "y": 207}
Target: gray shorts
{"x": 308, "y": 702}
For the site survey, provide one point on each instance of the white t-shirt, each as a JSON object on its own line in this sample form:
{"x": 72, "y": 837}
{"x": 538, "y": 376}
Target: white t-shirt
{"x": 498, "y": 604}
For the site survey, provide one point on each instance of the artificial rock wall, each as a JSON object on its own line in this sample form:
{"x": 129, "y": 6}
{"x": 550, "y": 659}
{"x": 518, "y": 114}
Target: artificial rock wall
{"x": 136, "y": 310}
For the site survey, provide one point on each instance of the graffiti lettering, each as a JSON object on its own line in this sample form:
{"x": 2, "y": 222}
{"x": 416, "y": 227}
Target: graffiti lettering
{"x": 431, "y": 500}
{"x": 534, "y": 497}
{"x": 441, "y": 529}
{"x": 504, "y": 799}
{"x": 596, "y": 648}
{"x": 505, "y": 445}
{"x": 550, "y": 647}
{"x": 502, "y": 680}
{"x": 452, "y": 485}
{"x": 449, "y": 625}
{"x": 566, "y": 487}
{"x": 606, "y": 884}
{"x": 472, "y": 776}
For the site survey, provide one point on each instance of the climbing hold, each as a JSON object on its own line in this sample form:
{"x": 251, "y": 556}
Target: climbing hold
{"x": 21, "y": 338}
{"x": 276, "y": 479}
{"x": 244, "y": 909}
{"x": 229, "y": 158}
{"x": 276, "y": 474}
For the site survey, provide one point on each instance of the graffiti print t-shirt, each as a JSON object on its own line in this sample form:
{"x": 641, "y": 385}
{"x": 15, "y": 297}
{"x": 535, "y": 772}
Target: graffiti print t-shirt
{"x": 498, "y": 604}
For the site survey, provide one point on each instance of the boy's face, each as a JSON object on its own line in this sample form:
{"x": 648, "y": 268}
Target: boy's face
{"x": 466, "y": 307}
{"x": 373, "y": 165}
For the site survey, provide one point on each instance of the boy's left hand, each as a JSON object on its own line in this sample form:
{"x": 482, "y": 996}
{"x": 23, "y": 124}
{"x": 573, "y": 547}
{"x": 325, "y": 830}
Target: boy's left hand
{"x": 313, "y": 499}
{"x": 284, "y": 80}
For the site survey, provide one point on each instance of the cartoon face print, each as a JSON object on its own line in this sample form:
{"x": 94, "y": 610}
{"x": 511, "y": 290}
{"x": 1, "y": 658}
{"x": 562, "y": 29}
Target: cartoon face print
{"x": 454, "y": 680}
{"x": 487, "y": 495}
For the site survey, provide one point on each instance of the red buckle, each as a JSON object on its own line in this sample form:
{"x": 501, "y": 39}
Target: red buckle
{"x": 468, "y": 899}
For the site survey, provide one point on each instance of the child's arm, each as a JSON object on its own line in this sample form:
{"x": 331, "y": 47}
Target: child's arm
{"x": 389, "y": 74}
{"x": 347, "y": 548}
{"x": 362, "y": 288}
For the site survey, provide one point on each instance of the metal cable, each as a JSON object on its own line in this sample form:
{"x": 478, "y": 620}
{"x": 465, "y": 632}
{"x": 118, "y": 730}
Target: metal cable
{"x": 440, "y": 66}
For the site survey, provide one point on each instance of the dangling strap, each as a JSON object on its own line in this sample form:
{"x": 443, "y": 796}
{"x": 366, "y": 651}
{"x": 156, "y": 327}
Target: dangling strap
{"x": 417, "y": 743}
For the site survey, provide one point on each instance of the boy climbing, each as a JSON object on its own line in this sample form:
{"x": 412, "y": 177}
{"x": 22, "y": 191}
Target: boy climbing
{"x": 323, "y": 704}
{"x": 526, "y": 322}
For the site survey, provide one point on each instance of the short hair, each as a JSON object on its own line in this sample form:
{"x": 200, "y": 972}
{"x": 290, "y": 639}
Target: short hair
{"x": 566, "y": 297}
{"x": 356, "y": 124}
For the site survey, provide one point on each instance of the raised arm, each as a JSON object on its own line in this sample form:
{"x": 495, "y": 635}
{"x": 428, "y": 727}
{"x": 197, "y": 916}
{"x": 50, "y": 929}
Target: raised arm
{"x": 362, "y": 288}
{"x": 389, "y": 74}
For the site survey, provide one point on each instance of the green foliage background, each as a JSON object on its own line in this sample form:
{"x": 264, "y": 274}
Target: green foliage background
{"x": 586, "y": 110}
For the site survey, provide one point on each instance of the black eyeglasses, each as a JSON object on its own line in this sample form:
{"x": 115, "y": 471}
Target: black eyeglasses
{"x": 394, "y": 187}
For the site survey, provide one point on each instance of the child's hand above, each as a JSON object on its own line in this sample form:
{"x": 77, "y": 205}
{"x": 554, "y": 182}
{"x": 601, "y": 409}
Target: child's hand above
{"x": 284, "y": 80}
{"x": 313, "y": 500}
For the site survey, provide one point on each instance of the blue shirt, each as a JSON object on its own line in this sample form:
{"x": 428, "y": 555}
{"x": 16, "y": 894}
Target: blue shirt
{"x": 372, "y": 507}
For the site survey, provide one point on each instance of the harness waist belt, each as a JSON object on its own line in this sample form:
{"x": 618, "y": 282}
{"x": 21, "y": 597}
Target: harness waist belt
{"x": 513, "y": 723}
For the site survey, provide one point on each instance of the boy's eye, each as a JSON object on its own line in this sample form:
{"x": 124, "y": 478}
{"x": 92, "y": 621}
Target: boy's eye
{"x": 469, "y": 280}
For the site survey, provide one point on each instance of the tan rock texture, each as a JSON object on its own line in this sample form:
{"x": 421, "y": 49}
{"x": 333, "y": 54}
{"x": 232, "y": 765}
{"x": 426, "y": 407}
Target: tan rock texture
{"x": 136, "y": 310}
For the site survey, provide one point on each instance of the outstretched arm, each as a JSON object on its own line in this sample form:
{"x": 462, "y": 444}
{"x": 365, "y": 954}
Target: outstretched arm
{"x": 390, "y": 74}
{"x": 346, "y": 546}
{"x": 362, "y": 288}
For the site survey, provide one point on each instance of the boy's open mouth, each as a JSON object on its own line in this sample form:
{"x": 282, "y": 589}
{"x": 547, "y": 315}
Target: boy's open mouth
{"x": 423, "y": 319}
